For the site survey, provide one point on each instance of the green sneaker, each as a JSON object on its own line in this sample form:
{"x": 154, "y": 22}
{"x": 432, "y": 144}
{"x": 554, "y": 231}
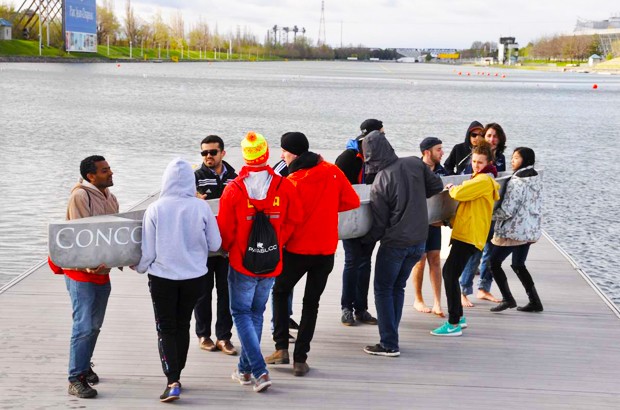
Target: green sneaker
{"x": 447, "y": 330}
{"x": 463, "y": 322}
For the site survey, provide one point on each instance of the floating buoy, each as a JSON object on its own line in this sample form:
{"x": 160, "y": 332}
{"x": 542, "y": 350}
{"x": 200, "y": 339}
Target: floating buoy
{"x": 503, "y": 75}
{"x": 595, "y": 86}
{"x": 118, "y": 65}
{"x": 496, "y": 74}
{"x": 488, "y": 74}
{"x": 468, "y": 74}
{"x": 460, "y": 73}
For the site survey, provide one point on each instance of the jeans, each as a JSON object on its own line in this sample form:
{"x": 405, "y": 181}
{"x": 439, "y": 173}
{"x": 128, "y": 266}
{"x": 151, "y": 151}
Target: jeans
{"x": 218, "y": 276}
{"x": 248, "y": 299}
{"x": 89, "y": 302}
{"x": 392, "y": 269}
{"x": 295, "y": 266}
{"x": 519, "y": 256}
{"x": 481, "y": 261}
{"x": 460, "y": 253}
{"x": 356, "y": 275}
{"x": 173, "y": 303}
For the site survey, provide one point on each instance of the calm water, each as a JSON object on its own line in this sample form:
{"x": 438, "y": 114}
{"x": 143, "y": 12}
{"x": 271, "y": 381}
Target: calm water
{"x": 139, "y": 116}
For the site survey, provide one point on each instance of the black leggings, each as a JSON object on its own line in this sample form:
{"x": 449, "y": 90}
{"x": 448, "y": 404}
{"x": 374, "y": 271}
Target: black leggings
{"x": 173, "y": 303}
{"x": 452, "y": 269}
{"x": 519, "y": 256}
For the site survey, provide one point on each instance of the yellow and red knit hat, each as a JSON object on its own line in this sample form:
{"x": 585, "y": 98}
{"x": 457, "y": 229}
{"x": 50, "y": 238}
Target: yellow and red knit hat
{"x": 255, "y": 149}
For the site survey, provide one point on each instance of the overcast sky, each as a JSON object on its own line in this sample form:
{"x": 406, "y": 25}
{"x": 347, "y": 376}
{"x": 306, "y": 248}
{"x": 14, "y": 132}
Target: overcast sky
{"x": 390, "y": 23}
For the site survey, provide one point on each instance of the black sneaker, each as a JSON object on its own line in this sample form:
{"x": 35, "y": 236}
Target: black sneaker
{"x": 80, "y": 388}
{"x": 379, "y": 350}
{"x": 91, "y": 376}
{"x": 365, "y": 317}
{"x": 347, "y": 317}
{"x": 292, "y": 325}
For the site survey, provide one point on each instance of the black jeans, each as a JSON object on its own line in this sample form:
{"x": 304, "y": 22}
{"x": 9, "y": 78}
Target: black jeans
{"x": 203, "y": 312}
{"x": 295, "y": 266}
{"x": 452, "y": 268}
{"x": 519, "y": 256}
{"x": 173, "y": 302}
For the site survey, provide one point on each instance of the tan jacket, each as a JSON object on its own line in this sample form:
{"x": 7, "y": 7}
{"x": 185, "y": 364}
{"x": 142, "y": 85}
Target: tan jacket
{"x": 86, "y": 200}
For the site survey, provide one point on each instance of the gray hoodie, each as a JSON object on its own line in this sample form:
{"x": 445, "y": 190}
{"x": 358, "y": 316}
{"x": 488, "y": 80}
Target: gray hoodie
{"x": 178, "y": 230}
{"x": 398, "y": 194}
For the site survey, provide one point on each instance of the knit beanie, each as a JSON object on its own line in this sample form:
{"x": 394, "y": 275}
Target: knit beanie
{"x": 255, "y": 149}
{"x": 295, "y": 143}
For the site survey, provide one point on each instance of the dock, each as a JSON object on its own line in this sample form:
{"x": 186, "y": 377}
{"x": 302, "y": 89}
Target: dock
{"x": 566, "y": 357}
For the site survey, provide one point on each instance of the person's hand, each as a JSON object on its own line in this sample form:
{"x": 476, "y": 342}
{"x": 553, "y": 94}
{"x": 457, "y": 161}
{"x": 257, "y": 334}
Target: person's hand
{"x": 448, "y": 186}
{"x": 99, "y": 270}
{"x": 437, "y": 224}
{"x": 132, "y": 267}
{"x": 201, "y": 196}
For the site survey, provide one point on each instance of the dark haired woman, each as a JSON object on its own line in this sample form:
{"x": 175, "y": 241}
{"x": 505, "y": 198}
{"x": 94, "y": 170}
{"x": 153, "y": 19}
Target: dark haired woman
{"x": 518, "y": 224}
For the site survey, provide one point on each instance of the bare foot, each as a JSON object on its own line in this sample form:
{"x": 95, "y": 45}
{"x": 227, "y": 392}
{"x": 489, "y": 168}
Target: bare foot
{"x": 437, "y": 310}
{"x": 420, "y": 306}
{"x": 483, "y": 294}
{"x": 465, "y": 302}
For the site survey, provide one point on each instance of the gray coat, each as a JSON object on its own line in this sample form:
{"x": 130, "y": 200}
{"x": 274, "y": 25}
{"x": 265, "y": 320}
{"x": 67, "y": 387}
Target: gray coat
{"x": 398, "y": 194}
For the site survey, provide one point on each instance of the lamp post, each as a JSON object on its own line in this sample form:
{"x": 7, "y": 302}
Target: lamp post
{"x": 130, "y": 51}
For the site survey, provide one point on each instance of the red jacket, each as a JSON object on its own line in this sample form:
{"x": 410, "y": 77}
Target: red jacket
{"x": 235, "y": 217}
{"x": 324, "y": 191}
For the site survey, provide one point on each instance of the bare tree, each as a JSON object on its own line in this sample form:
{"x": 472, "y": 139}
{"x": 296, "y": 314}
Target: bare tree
{"x": 131, "y": 24}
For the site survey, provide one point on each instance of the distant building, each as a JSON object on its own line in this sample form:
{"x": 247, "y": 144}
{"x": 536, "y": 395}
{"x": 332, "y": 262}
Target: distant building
{"x": 594, "y": 60}
{"x": 607, "y": 30}
{"x": 5, "y": 29}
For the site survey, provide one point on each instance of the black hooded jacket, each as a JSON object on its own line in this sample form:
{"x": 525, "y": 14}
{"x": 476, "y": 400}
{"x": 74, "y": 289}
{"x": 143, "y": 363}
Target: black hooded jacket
{"x": 460, "y": 155}
{"x": 211, "y": 184}
{"x": 398, "y": 194}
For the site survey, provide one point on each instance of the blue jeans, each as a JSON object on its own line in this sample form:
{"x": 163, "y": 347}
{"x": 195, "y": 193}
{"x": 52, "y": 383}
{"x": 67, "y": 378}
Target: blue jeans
{"x": 392, "y": 269}
{"x": 89, "y": 302}
{"x": 356, "y": 275}
{"x": 248, "y": 298}
{"x": 481, "y": 261}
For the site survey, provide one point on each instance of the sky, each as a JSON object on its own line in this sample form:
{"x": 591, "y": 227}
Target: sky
{"x": 389, "y": 23}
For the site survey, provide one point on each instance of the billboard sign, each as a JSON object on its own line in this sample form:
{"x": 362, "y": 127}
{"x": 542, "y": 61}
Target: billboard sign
{"x": 80, "y": 25}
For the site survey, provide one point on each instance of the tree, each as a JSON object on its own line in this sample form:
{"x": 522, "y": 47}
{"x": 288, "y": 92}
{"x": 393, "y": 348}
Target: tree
{"x": 199, "y": 36}
{"x": 107, "y": 23}
{"x": 131, "y": 24}
{"x": 160, "y": 30}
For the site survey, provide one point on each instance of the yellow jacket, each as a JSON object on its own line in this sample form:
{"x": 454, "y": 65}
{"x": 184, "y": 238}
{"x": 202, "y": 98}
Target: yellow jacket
{"x": 476, "y": 198}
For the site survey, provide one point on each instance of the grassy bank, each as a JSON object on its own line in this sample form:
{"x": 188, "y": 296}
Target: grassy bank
{"x": 24, "y": 48}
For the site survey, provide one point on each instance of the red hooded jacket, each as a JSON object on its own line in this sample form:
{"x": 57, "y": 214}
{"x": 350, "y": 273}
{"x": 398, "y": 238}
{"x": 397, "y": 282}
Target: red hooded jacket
{"x": 324, "y": 191}
{"x": 235, "y": 217}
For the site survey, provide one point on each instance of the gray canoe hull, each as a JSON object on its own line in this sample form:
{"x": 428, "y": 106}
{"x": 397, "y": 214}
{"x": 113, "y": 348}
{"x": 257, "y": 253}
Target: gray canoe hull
{"x": 115, "y": 240}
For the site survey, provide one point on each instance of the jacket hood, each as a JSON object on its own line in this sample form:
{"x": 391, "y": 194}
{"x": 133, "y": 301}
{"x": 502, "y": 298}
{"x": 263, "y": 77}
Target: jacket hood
{"x": 353, "y": 144}
{"x": 474, "y": 124}
{"x": 378, "y": 152}
{"x": 304, "y": 161}
{"x": 534, "y": 181}
{"x": 178, "y": 180}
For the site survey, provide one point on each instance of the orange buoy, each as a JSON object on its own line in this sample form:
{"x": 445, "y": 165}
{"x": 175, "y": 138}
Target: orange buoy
{"x": 468, "y": 74}
{"x": 118, "y": 65}
{"x": 503, "y": 75}
{"x": 595, "y": 86}
{"x": 460, "y": 73}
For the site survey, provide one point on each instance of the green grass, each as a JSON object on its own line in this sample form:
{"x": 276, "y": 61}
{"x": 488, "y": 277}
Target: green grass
{"x": 31, "y": 49}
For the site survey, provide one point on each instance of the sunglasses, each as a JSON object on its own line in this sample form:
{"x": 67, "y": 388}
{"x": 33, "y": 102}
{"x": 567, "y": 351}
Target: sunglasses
{"x": 212, "y": 152}
{"x": 475, "y": 135}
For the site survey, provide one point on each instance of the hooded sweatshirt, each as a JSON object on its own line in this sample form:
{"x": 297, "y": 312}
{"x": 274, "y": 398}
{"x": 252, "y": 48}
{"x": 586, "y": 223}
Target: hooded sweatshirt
{"x": 178, "y": 229}
{"x": 324, "y": 191}
{"x": 351, "y": 162}
{"x": 460, "y": 156}
{"x": 398, "y": 194}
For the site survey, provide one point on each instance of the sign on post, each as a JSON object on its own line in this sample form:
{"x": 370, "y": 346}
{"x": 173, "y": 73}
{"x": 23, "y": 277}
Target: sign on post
{"x": 80, "y": 25}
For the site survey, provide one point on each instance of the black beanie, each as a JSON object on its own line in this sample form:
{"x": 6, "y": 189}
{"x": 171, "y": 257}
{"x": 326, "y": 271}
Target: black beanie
{"x": 295, "y": 143}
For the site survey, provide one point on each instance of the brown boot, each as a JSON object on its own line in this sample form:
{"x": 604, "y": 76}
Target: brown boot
{"x": 278, "y": 357}
{"x": 226, "y": 347}
{"x": 207, "y": 344}
{"x": 300, "y": 369}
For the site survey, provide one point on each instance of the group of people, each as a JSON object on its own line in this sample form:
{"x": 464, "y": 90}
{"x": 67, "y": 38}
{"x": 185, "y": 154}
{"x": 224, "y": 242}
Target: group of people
{"x": 265, "y": 240}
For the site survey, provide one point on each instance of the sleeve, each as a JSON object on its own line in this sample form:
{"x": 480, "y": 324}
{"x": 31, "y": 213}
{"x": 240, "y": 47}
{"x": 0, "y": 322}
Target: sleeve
{"x": 348, "y": 197}
{"x": 149, "y": 237}
{"x": 78, "y": 205}
{"x": 433, "y": 182}
{"x": 226, "y": 217}
{"x": 294, "y": 211}
{"x": 380, "y": 205}
{"x": 450, "y": 162}
{"x": 513, "y": 200}
{"x": 470, "y": 189}
{"x": 212, "y": 233}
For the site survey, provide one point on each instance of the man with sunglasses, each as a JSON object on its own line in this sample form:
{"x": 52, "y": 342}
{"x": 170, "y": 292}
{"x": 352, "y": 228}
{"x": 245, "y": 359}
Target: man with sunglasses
{"x": 211, "y": 179}
{"x": 460, "y": 156}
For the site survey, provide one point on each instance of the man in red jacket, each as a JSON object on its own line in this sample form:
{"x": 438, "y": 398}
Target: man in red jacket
{"x": 257, "y": 188}
{"x": 324, "y": 191}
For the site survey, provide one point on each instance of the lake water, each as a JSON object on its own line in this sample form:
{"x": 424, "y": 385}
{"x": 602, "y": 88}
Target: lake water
{"x": 139, "y": 116}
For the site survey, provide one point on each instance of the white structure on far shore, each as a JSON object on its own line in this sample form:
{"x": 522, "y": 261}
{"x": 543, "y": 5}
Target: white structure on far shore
{"x": 5, "y": 29}
{"x": 607, "y": 30}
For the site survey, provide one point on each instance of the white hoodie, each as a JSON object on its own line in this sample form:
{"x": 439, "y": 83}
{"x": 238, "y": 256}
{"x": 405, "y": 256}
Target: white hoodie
{"x": 178, "y": 229}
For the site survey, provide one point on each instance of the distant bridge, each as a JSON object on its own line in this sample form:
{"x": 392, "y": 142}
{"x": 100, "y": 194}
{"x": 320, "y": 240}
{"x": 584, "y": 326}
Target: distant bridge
{"x": 417, "y": 53}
